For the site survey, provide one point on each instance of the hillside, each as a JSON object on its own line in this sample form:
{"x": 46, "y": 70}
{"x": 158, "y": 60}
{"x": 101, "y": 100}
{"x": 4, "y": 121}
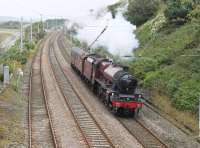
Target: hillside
{"x": 167, "y": 62}
{"x": 7, "y": 18}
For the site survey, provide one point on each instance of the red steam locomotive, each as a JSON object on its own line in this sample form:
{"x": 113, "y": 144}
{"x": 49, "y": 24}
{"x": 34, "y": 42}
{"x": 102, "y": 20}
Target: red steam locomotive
{"x": 111, "y": 82}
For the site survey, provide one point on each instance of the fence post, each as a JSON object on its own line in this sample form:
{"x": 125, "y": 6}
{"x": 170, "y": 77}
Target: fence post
{"x": 6, "y": 75}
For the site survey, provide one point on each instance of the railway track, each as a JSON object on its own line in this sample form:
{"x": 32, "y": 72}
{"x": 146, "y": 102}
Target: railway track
{"x": 40, "y": 129}
{"x": 93, "y": 134}
{"x": 135, "y": 127}
{"x": 144, "y": 136}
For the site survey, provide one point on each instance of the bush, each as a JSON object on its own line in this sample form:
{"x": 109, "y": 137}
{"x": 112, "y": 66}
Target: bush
{"x": 195, "y": 14}
{"x": 141, "y": 66}
{"x": 177, "y": 11}
{"x": 14, "y": 54}
{"x": 139, "y": 11}
{"x": 186, "y": 98}
{"x": 29, "y": 46}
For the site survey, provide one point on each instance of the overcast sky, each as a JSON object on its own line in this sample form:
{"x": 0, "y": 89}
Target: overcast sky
{"x": 118, "y": 38}
{"x": 51, "y": 8}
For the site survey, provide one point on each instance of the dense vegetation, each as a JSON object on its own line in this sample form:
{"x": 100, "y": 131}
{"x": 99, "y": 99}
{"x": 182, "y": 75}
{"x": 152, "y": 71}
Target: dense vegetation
{"x": 169, "y": 49}
{"x": 139, "y": 15}
{"x": 53, "y": 23}
{"x": 12, "y": 114}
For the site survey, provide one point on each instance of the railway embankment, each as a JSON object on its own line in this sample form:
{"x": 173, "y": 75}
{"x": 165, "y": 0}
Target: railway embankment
{"x": 167, "y": 60}
{"x": 13, "y": 101}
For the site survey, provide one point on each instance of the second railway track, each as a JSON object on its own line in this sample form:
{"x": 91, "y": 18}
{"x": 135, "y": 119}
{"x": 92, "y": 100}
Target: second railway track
{"x": 41, "y": 130}
{"x": 41, "y": 133}
{"x": 142, "y": 134}
{"x": 92, "y": 132}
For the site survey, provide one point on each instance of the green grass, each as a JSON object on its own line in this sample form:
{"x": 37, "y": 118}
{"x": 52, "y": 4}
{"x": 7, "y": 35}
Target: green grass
{"x": 12, "y": 105}
{"x": 11, "y": 115}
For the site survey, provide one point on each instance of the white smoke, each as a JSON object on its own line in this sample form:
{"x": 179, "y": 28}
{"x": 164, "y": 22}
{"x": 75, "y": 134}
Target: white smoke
{"x": 118, "y": 38}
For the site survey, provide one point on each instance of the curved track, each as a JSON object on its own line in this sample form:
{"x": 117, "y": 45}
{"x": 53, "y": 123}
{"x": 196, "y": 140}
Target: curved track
{"x": 41, "y": 133}
{"x": 136, "y": 128}
{"x": 91, "y": 131}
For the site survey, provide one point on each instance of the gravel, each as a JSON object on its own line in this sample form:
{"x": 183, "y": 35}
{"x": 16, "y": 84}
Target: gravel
{"x": 111, "y": 126}
{"x": 170, "y": 134}
{"x": 65, "y": 128}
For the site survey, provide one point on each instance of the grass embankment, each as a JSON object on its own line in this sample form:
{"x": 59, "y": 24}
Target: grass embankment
{"x": 11, "y": 115}
{"x": 169, "y": 68}
{"x": 12, "y": 105}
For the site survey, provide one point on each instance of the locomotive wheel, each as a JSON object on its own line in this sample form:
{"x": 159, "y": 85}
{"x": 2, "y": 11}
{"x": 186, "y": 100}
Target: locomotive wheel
{"x": 132, "y": 113}
{"x": 94, "y": 89}
{"x": 110, "y": 106}
{"x": 99, "y": 91}
{"x": 137, "y": 111}
{"x": 106, "y": 102}
{"x": 81, "y": 77}
{"x": 120, "y": 111}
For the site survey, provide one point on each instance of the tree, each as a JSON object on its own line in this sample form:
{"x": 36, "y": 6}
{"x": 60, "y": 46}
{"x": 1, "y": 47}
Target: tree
{"x": 177, "y": 11}
{"x": 139, "y": 11}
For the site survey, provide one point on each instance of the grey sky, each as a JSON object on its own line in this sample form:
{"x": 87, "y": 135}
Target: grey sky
{"x": 51, "y": 8}
{"x": 118, "y": 38}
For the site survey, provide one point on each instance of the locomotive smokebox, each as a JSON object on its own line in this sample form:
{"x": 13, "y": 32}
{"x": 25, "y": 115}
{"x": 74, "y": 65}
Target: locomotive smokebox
{"x": 124, "y": 82}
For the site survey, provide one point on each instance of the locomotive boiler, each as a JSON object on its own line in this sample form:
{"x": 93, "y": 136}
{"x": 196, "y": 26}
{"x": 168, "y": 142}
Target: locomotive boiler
{"x": 122, "y": 81}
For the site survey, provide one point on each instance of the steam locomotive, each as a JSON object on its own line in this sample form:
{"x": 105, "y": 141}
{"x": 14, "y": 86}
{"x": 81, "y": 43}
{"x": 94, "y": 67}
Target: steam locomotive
{"x": 111, "y": 82}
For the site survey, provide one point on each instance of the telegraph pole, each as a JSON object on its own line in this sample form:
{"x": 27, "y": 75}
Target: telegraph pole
{"x": 42, "y": 22}
{"x": 38, "y": 27}
{"x": 56, "y": 23}
{"x": 21, "y": 35}
{"x": 47, "y": 25}
{"x": 31, "y": 37}
{"x": 199, "y": 115}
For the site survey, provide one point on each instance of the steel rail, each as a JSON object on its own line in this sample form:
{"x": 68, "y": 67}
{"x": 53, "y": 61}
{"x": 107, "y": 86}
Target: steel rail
{"x": 30, "y": 143}
{"x": 161, "y": 143}
{"x": 74, "y": 112}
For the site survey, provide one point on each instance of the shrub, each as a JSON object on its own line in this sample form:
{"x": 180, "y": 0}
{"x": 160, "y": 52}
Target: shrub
{"x": 140, "y": 67}
{"x": 29, "y": 46}
{"x": 139, "y": 11}
{"x": 195, "y": 14}
{"x": 186, "y": 98}
{"x": 177, "y": 11}
{"x": 14, "y": 54}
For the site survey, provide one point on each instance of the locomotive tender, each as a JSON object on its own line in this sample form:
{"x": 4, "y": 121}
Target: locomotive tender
{"x": 111, "y": 82}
